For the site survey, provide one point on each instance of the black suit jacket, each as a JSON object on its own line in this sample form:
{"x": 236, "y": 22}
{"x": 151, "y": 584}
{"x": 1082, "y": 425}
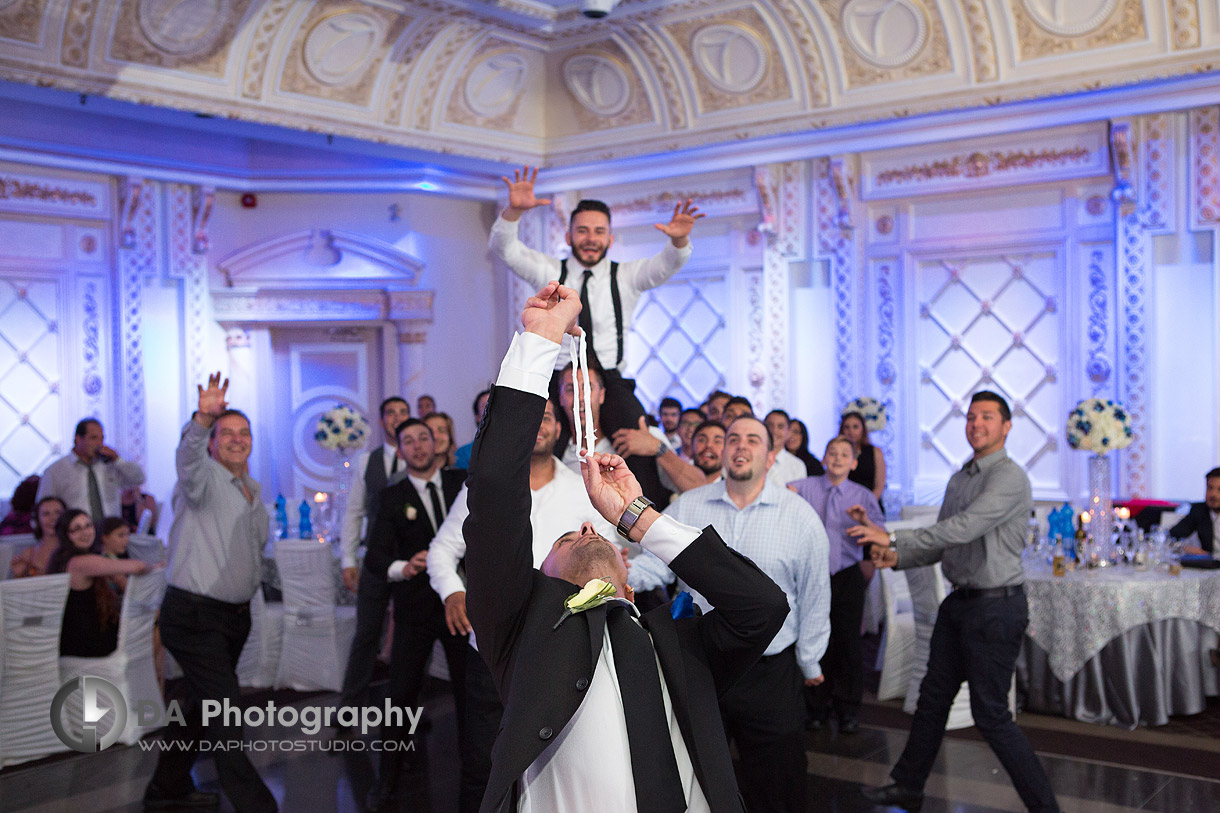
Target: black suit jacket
{"x": 542, "y": 672}
{"x": 1199, "y": 521}
{"x": 395, "y": 536}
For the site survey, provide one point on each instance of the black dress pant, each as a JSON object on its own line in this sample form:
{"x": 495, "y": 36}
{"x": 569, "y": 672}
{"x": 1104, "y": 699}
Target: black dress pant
{"x": 842, "y": 664}
{"x": 976, "y": 640}
{"x": 206, "y": 637}
{"x": 764, "y": 715}
{"x": 483, "y": 713}
{"x": 415, "y": 631}
{"x": 372, "y": 599}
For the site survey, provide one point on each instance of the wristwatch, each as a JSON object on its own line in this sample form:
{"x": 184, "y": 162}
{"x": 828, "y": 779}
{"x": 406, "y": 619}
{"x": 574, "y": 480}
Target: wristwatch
{"x": 893, "y": 538}
{"x": 662, "y": 448}
{"x": 627, "y": 521}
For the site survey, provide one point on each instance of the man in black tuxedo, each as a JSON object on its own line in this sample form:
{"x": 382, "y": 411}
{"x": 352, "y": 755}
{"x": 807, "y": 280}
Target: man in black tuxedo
{"x": 408, "y": 514}
{"x": 603, "y": 711}
{"x": 1203, "y": 519}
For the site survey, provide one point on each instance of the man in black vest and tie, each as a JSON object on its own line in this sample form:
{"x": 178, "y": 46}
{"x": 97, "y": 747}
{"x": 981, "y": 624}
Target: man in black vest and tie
{"x": 408, "y": 515}
{"x": 373, "y": 473}
{"x": 604, "y": 709}
{"x": 609, "y": 291}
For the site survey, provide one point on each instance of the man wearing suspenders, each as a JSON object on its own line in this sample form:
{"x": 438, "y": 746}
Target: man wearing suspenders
{"x": 608, "y": 290}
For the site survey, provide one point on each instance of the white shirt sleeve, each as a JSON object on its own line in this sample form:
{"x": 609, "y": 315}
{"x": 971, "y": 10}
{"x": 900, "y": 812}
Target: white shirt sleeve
{"x": 657, "y": 269}
{"x": 447, "y": 548}
{"x": 532, "y": 266}
{"x": 353, "y": 517}
{"x": 528, "y": 364}
{"x": 396, "y": 571}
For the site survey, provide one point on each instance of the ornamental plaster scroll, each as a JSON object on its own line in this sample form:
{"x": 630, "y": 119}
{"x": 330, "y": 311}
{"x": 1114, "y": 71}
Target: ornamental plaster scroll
{"x": 1123, "y": 164}
{"x": 404, "y": 58}
{"x": 836, "y": 245}
{"x": 131, "y": 189}
{"x": 488, "y": 92}
{"x": 266, "y": 28}
{"x": 884, "y": 41}
{"x": 359, "y": 260}
{"x": 1156, "y": 169}
{"x": 782, "y": 192}
{"x": 188, "y": 265}
{"x": 1097, "y": 367}
{"x": 756, "y": 343}
{"x": 734, "y": 61}
{"x": 677, "y": 114}
{"x": 982, "y": 40}
{"x": 78, "y": 33}
{"x": 138, "y": 260}
{"x": 454, "y": 40}
{"x": 202, "y": 200}
{"x": 796, "y": 17}
{"x": 92, "y": 370}
{"x": 1184, "y": 21}
{"x": 1135, "y": 264}
{"x": 313, "y": 305}
{"x": 48, "y": 195}
{"x": 1047, "y": 28}
{"x": 193, "y": 38}
{"x": 338, "y": 50}
{"x": 1205, "y": 166}
{"x": 885, "y": 281}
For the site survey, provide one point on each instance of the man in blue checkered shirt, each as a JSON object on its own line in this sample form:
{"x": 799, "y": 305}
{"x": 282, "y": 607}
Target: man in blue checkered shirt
{"x": 764, "y": 713}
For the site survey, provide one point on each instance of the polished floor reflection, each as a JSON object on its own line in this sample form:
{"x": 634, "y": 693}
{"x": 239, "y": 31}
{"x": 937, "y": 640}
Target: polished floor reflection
{"x": 1093, "y": 769}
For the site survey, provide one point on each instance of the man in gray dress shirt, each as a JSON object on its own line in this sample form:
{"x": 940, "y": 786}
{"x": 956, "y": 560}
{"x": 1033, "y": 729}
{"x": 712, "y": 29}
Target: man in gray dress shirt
{"x": 220, "y": 528}
{"x": 978, "y": 539}
{"x": 92, "y": 476}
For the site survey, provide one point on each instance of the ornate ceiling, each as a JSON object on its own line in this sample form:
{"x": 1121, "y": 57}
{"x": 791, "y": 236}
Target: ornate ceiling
{"x": 525, "y": 80}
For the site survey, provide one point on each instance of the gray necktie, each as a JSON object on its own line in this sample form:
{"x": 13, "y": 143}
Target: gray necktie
{"x": 95, "y": 497}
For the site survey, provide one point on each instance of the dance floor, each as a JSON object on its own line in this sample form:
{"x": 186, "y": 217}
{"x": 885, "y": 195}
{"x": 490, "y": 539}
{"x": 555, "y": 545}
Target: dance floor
{"x": 1094, "y": 769}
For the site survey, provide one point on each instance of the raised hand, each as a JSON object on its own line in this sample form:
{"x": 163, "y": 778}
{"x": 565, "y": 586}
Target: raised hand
{"x": 611, "y": 485}
{"x": 212, "y": 400}
{"x": 521, "y": 192}
{"x": 679, "y": 226}
{"x": 857, "y": 513}
{"x": 552, "y": 312}
{"x": 639, "y": 441}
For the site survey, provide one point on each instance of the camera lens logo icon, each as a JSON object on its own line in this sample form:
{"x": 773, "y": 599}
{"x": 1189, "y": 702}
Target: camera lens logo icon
{"x": 92, "y": 713}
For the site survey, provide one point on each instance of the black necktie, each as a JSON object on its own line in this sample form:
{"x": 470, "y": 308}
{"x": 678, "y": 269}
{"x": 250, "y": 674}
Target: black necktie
{"x": 658, "y": 787}
{"x": 586, "y": 320}
{"x": 438, "y": 513}
{"x": 95, "y": 497}
{"x": 394, "y": 465}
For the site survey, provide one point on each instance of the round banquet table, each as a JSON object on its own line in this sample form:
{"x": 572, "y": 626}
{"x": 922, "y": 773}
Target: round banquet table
{"x": 1118, "y": 646}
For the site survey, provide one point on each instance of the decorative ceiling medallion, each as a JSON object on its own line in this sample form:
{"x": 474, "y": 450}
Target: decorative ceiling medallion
{"x": 183, "y": 27}
{"x": 887, "y": 33}
{"x": 495, "y": 83}
{"x": 339, "y": 48}
{"x": 598, "y": 83}
{"x": 732, "y": 57}
{"x": 1070, "y": 18}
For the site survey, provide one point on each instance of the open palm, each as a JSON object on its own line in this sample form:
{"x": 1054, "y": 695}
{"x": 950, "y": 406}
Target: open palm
{"x": 521, "y": 189}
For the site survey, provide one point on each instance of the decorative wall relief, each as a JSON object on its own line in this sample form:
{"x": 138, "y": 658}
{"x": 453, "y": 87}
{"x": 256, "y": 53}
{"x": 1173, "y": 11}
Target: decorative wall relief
{"x": 889, "y": 41}
{"x": 78, "y": 33}
{"x": 190, "y": 37}
{"x": 732, "y": 57}
{"x": 1157, "y": 169}
{"x": 266, "y": 27}
{"x": 1097, "y": 367}
{"x": 1205, "y": 166}
{"x": 188, "y": 264}
{"x": 337, "y": 52}
{"x": 835, "y": 243}
{"x": 1135, "y": 261}
{"x": 339, "y": 48}
{"x": 1184, "y": 20}
{"x": 46, "y": 195}
{"x": 494, "y": 84}
{"x": 734, "y": 60}
{"x": 598, "y": 83}
{"x": 1049, "y": 27}
{"x": 136, "y": 262}
{"x": 982, "y": 40}
{"x": 21, "y": 20}
{"x": 183, "y": 29}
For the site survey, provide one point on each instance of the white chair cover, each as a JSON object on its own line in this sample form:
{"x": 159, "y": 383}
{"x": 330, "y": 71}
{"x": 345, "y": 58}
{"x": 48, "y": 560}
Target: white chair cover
{"x": 6, "y": 556}
{"x": 260, "y": 657}
{"x": 898, "y": 641}
{"x": 20, "y": 542}
{"x": 130, "y": 667}
{"x": 317, "y": 634}
{"x": 31, "y": 614}
{"x": 146, "y": 548}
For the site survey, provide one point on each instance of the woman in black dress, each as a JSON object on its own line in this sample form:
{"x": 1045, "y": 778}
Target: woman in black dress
{"x": 798, "y": 445}
{"x": 870, "y": 466}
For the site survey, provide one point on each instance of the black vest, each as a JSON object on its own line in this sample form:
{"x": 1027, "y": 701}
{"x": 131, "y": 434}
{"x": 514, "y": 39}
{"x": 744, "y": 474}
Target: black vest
{"x": 374, "y": 482}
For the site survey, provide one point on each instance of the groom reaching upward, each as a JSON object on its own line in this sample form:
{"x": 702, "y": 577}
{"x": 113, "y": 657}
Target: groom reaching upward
{"x": 605, "y": 709}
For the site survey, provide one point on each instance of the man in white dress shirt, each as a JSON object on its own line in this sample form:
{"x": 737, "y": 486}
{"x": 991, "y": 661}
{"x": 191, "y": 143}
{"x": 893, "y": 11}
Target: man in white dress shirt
{"x": 788, "y": 467}
{"x": 92, "y": 476}
{"x": 374, "y": 470}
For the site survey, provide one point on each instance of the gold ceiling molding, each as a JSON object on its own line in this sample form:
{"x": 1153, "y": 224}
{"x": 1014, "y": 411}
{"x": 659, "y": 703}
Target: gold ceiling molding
{"x": 512, "y": 80}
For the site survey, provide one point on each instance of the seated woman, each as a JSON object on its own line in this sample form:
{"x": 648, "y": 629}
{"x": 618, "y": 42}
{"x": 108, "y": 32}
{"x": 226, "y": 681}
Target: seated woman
{"x": 20, "y": 517}
{"x": 33, "y": 561}
{"x": 91, "y": 616}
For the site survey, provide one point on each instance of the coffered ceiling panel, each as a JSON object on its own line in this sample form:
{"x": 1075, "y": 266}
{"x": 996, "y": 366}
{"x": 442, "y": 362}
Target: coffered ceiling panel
{"x": 526, "y": 80}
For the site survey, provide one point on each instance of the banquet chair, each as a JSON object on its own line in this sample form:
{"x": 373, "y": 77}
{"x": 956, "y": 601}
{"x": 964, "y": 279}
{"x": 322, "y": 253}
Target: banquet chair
{"x": 6, "y": 558}
{"x": 20, "y": 543}
{"x": 317, "y": 634}
{"x": 130, "y": 667}
{"x": 260, "y": 657}
{"x": 898, "y": 638}
{"x": 146, "y": 548}
{"x": 31, "y": 615}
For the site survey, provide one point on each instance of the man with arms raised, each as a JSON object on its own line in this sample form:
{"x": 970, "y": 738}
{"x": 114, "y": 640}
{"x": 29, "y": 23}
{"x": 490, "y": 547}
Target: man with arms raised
{"x": 978, "y": 539}
{"x": 587, "y": 725}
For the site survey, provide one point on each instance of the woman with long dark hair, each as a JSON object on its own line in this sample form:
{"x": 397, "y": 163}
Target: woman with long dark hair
{"x": 870, "y": 461}
{"x": 34, "y": 561}
{"x": 798, "y": 445}
{"x": 91, "y": 616}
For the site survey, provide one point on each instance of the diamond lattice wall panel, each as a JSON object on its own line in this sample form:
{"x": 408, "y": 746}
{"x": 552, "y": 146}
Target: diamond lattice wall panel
{"x": 990, "y": 322}
{"x": 678, "y": 344}
{"x": 30, "y": 373}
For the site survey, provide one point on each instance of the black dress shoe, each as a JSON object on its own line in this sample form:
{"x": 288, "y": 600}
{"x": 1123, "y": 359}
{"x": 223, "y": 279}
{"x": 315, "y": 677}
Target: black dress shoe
{"x": 849, "y": 725}
{"x": 381, "y": 795}
{"x": 195, "y": 800}
{"x": 896, "y": 796}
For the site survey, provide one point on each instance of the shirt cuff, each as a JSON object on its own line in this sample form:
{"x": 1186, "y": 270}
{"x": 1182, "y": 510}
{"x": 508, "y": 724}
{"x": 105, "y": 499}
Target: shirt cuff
{"x": 347, "y": 561}
{"x": 667, "y": 538}
{"x": 528, "y": 364}
{"x": 396, "y": 572}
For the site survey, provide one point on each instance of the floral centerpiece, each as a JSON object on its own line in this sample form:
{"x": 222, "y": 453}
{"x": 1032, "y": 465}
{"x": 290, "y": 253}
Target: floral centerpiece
{"x": 1099, "y": 426}
{"x": 342, "y": 429}
{"x": 872, "y": 410}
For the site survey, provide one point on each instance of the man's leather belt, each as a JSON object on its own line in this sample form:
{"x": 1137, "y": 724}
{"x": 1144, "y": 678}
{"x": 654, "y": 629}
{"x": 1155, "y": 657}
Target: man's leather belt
{"x": 989, "y": 592}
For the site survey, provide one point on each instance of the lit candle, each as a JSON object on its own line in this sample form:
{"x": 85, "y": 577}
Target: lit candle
{"x": 319, "y": 497}
{"x": 1124, "y": 513}
{"x": 1084, "y": 517}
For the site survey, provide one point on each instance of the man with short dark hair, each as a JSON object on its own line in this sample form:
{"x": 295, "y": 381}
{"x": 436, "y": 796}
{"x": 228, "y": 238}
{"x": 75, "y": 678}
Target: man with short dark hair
{"x": 716, "y": 402}
{"x": 707, "y": 444}
{"x": 669, "y": 412}
{"x": 738, "y": 406}
{"x": 788, "y": 467}
{"x": 92, "y": 476}
{"x": 687, "y": 424}
{"x": 978, "y": 539}
{"x": 425, "y": 405}
{"x": 374, "y": 471}
{"x": 1203, "y": 520}
{"x": 462, "y": 457}
{"x": 216, "y": 544}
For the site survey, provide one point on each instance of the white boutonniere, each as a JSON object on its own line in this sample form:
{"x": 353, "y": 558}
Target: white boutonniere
{"x": 411, "y": 513}
{"x": 594, "y": 594}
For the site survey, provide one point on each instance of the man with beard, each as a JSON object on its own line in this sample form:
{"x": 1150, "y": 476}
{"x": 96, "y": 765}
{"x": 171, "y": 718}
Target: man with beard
{"x": 765, "y": 711}
{"x": 608, "y": 290}
{"x": 707, "y": 449}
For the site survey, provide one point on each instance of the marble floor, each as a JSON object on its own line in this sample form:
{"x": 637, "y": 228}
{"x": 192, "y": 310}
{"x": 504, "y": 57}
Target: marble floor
{"x": 318, "y": 776}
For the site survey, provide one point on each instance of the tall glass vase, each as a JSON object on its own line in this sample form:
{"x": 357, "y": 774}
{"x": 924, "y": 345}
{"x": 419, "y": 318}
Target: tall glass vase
{"x": 344, "y": 465}
{"x": 1101, "y": 507}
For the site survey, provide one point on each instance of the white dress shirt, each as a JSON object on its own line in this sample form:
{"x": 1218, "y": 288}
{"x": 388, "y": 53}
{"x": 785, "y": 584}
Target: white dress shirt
{"x": 786, "y": 469}
{"x": 68, "y": 479}
{"x": 353, "y": 518}
{"x": 397, "y": 569}
{"x": 634, "y": 277}
{"x": 587, "y": 766}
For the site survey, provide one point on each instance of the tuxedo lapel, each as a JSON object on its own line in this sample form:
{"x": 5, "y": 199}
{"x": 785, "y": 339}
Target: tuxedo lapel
{"x": 596, "y": 619}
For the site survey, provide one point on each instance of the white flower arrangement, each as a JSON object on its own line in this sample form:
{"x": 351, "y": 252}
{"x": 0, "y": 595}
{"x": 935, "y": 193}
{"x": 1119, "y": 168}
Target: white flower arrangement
{"x": 342, "y": 429}
{"x": 872, "y": 410}
{"x": 1099, "y": 426}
